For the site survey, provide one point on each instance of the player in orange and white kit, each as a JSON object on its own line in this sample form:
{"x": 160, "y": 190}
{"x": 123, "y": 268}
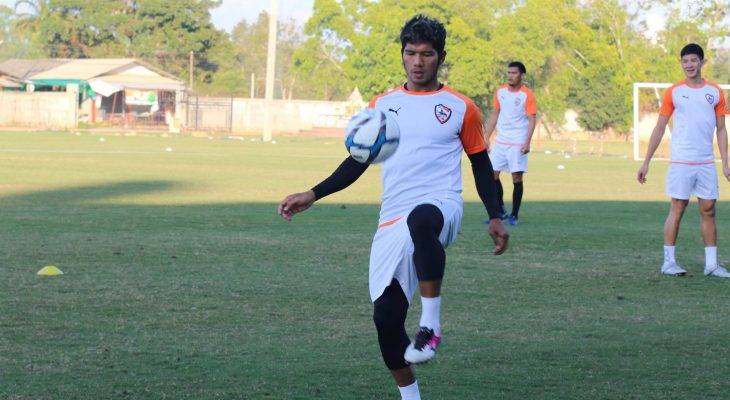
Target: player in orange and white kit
{"x": 699, "y": 108}
{"x": 513, "y": 114}
{"x": 421, "y": 204}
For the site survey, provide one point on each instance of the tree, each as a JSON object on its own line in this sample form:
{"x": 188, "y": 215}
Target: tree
{"x": 152, "y": 30}
{"x": 249, "y": 48}
{"x": 360, "y": 40}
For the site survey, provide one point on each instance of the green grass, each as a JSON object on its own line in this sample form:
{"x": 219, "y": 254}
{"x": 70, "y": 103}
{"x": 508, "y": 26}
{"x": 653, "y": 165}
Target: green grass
{"x": 181, "y": 282}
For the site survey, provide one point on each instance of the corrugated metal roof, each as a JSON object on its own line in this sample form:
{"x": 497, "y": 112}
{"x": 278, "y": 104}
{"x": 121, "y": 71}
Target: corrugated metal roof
{"x": 126, "y": 72}
{"x": 132, "y": 81}
{"x": 21, "y": 69}
{"x": 9, "y": 82}
{"x": 85, "y": 68}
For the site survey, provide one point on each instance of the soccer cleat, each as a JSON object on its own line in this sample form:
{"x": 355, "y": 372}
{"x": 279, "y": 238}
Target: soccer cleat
{"x": 512, "y": 220}
{"x": 424, "y": 346}
{"x": 673, "y": 269}
{"x": 718, "y": 271}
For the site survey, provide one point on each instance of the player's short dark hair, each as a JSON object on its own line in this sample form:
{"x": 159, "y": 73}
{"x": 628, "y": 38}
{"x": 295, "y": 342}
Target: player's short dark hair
{"x": 693, "y": 48}
{"x": 518, "y": 65}
{"x": 422, "y": 28}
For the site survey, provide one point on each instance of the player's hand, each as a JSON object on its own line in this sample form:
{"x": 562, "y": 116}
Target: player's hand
{"x": 525, "y": 148}
{"x": 643, "y": 171}
{"x": 726, "y": 171}
{"x": 499, "y": 235}
{"x": 295, "y": 203}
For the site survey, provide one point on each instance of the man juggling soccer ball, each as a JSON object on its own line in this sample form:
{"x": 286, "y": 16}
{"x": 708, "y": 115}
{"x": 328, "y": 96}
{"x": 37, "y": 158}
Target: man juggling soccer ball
{"x": 421, "y": 203}
{"x": 699, "y": 109}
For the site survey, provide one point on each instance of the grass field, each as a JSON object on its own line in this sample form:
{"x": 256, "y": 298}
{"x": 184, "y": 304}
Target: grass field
{"x": 181, "y": 282}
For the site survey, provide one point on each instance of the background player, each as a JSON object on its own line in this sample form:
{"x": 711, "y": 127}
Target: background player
{"x": 421, "y": 205}
{"x": 699, "y": 108}
{"x": 514, "y": 114}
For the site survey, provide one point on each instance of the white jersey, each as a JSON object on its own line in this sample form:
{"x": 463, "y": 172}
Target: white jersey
{"x": 514, "y": 109}
{"x": 695, "y": 112}
{"x": 434, "y": 129}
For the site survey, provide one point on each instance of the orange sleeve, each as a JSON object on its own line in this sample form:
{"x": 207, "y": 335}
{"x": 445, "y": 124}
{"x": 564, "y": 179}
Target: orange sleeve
{"x": 667, "y": 107}
{"x": 472, "y": 132}
{"x": 373, "y": 101}
{"x": 495, "y": 100}
{"x": 375, "y": 98}
{"x": 721, "y": 107}
{"x": 531, "y": 104}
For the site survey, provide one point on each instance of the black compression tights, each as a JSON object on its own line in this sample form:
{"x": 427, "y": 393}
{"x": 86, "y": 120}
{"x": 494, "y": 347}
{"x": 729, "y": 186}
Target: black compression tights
{"x": 389, "y": 315}
{"x": 425, "y": 223}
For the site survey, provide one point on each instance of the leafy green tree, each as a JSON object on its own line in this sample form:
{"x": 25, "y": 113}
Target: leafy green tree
{"x": 153, "y": 30}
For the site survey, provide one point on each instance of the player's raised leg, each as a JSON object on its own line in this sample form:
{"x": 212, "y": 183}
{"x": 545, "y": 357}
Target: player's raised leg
{"x": 671, "y": 231}
{"x": 425, "y": 223}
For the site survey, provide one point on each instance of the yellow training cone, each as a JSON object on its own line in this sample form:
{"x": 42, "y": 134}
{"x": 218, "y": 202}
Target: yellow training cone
{"x": 50, "y": 270}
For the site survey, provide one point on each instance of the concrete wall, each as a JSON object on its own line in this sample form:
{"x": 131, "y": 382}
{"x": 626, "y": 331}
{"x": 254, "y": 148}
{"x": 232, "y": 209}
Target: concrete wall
{"x": 43, "y": 110}
{"x": 241, "y": 115}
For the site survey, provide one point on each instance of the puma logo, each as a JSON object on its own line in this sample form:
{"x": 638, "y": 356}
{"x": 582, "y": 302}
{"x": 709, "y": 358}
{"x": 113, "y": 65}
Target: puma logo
{"x": 394, "y": 111}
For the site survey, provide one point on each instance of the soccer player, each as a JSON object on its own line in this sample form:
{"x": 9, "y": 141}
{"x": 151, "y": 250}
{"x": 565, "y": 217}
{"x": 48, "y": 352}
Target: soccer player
{"x": 514, "y": 115}
{"x": 421, "y": 203}
{"x": 699, "y": 108}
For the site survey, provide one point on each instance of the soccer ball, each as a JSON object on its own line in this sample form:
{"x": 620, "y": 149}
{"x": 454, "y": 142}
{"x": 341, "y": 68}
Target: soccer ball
{"x": 371, "y": 136}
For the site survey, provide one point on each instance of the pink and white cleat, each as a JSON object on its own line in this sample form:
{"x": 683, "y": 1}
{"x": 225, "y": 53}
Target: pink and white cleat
{"x": 423, "y": 347}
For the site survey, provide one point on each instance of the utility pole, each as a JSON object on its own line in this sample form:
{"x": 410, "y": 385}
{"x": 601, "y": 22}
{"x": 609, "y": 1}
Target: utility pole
{"x": 253, "y": 85}
{"x": 270, "y": 67}
{"x": 190, "y": 68}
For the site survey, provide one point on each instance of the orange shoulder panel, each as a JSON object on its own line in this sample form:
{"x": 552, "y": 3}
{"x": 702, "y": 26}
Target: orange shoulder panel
{"x": 531, "y": 103}
{"x": 472, "y": 131}
{"x": 376, "y": 97}
{"x": 667, "y": 107}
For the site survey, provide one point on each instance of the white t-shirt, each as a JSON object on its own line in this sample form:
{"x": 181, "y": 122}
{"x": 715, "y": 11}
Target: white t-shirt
{"x": 695, "y": 112}
{"x": 434, "y": 129}
{"x": 514, "y": 110}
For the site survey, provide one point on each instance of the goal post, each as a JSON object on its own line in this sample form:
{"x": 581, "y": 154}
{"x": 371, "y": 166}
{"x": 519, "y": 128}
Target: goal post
{"x": 639, "y": 127}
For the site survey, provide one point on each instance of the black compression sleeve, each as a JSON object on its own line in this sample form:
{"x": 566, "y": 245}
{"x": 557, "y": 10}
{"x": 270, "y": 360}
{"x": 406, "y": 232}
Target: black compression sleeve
{"x": 344, "y": 176}
{"x": 484, "y": 179}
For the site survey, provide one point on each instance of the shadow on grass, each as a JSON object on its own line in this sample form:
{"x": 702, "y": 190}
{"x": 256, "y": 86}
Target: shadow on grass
{"x": 76, "y": 195}
{"x": 229, "y": 301}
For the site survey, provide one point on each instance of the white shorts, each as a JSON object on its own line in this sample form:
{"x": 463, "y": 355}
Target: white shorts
{"x": 508, "y": 157}
{"x": 391, "y": 255}
{"x": 687, "y": 180}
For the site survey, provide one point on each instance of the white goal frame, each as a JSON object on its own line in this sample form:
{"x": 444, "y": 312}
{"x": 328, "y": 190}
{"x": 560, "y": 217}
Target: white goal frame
{"x": 635, "y": 99}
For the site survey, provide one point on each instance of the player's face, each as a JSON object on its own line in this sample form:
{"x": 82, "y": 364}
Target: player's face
{"x": 421, "y": 62}
{"x": 691, "y": 64}
{"x": 514, "y": 76}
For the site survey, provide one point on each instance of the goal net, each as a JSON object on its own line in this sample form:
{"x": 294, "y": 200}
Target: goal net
{"x": 647, "y": 98}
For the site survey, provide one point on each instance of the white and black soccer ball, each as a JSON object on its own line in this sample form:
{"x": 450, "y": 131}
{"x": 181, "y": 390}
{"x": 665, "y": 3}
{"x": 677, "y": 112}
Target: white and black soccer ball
{"x": 372, "y": 136}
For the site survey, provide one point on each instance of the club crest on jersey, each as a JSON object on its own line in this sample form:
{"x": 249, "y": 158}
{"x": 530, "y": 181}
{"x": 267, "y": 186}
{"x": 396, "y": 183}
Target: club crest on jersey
{"x": 710, "y": 98}
{"x": 442, "y": 112}
{"x": 517, "y": 101}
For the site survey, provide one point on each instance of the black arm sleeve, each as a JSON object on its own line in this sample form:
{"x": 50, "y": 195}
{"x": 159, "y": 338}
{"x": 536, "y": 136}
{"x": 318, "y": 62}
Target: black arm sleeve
{"x": 345, "y": 175}
{"x": 484, "y": 179}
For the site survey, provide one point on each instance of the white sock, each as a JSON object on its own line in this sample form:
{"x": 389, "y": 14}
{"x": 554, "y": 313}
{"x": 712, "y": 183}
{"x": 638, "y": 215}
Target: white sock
{"x": 710, "y": 256}
{"x": 669, "y": 253}
{"x": 410, "y": 392}
{"x": 430, "y": 313}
